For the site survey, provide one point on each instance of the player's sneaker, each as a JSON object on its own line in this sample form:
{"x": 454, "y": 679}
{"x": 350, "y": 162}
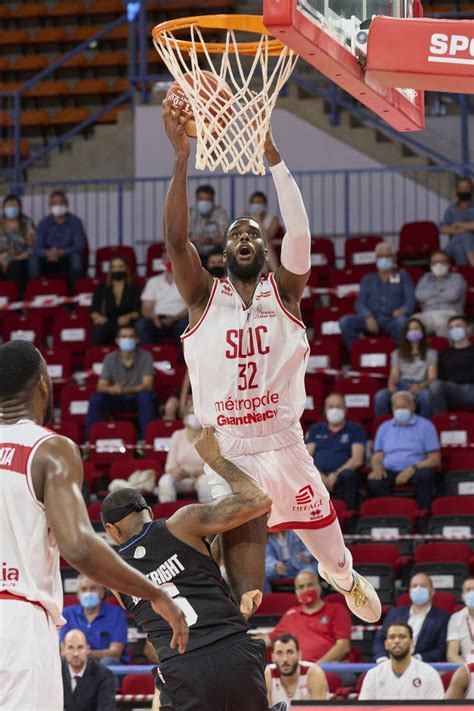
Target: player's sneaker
{"x": 280, "y": 706}
{"x": 362, "y": 599}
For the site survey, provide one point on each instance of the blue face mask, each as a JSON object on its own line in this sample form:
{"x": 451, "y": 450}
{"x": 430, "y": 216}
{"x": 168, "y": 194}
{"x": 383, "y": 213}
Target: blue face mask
{"x": 11, "y": 211}
{"x": 89, "y": 600}
{"x": 127, "y": 344}
{"x": 256, "y": 208}
{"x": 469, "y": 599}
{"x": 384, "y": 263}
{"x": 457, "y": 333}
{"x": 419, "y": 595}
{"x": 204, "y": 207}
{"x": 402, "y": 415}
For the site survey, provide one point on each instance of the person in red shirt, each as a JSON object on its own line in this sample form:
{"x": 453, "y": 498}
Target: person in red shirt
{"x": 323, "y": 629}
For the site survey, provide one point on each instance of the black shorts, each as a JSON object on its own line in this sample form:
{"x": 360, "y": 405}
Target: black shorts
{"x": 222, "y": 677}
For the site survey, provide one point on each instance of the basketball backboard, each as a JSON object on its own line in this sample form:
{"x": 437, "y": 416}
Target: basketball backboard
{"x": 332, "y": 35}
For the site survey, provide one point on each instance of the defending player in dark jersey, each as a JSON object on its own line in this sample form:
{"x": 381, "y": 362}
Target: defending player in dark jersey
{"x": 222, "y": 669}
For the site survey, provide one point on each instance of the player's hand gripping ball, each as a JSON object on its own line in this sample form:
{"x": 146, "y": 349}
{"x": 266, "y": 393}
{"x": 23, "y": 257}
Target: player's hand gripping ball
{"x": 215, "y": 101}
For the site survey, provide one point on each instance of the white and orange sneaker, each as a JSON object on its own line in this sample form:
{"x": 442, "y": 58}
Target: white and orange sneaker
{"x": 361, "y": 599}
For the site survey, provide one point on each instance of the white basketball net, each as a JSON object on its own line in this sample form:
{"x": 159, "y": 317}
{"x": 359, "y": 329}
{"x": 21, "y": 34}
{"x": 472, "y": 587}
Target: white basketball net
{"x": 230, "y": 133}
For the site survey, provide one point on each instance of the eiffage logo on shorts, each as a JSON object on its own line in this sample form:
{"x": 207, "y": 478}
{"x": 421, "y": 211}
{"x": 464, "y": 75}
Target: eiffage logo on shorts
{"x": 305, "y": 495}
{"x": 451, "y": 49}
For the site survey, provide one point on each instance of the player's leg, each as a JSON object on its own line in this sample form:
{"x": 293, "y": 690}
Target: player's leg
{"x": 243, "y": 550}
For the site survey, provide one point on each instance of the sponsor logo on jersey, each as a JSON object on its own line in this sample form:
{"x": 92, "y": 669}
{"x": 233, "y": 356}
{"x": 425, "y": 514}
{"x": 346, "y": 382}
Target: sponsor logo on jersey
{"x": 263, "y": 295}
{"x": 265, "y": 314}
{"x": 247, "y": 419}
{"x": 9, "y": 575}
{"x": 226, "y": 290}
{"x": 416, "y": 682}
{"x": 324, "y": 620}
{"x": 305, "y": 502}
{"x": 250, "y": 403}
{"x": 305, "y": 495}
{"x": 254, "y": 344}
{"x": 6, "y": 456}
{"x": 140, "y": 552}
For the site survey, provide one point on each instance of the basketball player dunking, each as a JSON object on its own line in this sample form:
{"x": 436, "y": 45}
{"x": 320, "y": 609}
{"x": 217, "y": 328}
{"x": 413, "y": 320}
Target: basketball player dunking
{"x": 246, "y": 350}
{"x": 43, "y": 515}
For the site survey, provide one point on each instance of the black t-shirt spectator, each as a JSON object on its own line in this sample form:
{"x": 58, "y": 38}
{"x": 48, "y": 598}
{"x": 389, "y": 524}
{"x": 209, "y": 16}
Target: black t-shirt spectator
{"x": 457, "y": 365}
{"x": 104, "y": 301}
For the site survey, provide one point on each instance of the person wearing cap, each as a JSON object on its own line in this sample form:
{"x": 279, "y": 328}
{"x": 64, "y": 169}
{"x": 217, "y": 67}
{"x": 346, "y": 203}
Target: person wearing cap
{"x": 223, "y": 668}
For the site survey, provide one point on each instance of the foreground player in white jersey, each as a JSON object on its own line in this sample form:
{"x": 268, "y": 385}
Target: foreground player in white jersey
{"x": 290, "y": 679}
{"x": 246, "y": 351}
{"x": 461, "y": 685}
{"x": 43, "y": 515}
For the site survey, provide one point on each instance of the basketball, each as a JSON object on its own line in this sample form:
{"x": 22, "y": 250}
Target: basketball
{"x": 215, "y": 99}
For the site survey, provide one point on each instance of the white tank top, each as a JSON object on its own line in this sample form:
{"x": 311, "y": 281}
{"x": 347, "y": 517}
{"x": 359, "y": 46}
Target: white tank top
{"x": 247, "y": 365}
{"x": 278, "y": 692}
{"x": 470, "y": 687}
{"x": 29, "y": 553}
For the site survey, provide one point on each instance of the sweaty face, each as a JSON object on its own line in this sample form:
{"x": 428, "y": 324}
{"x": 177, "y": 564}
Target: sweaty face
{"x": 245, "y": 251}
{"x": 286, "y": 657}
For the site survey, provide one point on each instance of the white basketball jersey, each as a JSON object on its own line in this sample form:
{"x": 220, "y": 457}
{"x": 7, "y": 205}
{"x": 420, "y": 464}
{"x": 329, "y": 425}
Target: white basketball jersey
{"x": 29, "y": 553}
{"x": 247, "y": 365}
{"x": 278, "y": 692}
{"x": 470, "y": 687}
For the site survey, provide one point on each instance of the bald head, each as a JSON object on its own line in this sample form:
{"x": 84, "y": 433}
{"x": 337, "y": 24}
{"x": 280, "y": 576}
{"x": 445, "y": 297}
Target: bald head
{"x": 75, "y": 649}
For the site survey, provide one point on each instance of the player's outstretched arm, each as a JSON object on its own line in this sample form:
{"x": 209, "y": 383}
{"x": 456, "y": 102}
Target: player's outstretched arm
{"x": 295, "y": 257}
{"x": 248, "y": 500}
{"x": 194, "y": 282}
{"x": 458, "y": 685}
{"x": 59, "y": 466}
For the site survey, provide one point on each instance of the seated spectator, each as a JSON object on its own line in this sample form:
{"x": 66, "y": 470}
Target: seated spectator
{"x": 104, "y": 625}
{"x": 429, "y": 624}
{"x": 413, "y": 367}
{"x": 88, "y": 685}
{"x": 385, "y": 299}
{"x": 458, "y": 223}
{"x": 184, "y": 468}
{"x": 290, "y": 679}
{"x": 17, "y": 239}
{"x": 115, "y": 303}
{"x": 406, "y": 451}
{"x": 258, "y": 209}
{"x": 402, "y": 677}
{"x": 60, "y": 241}
{"x": 164, "y": 313}
{"x": 215, "y": 264}
{"x": 338, "y": 448}
{"x": 461, "y": 685}
{"x": 125, "y": 383}
{"x": 207, "y": 222}
{"x": 441, "y": 294}
{"x": 460, "y": 637}
{"x": 323, "y": 629}
{"x": 285, "y": 556}
{"x": 454, "y": 388}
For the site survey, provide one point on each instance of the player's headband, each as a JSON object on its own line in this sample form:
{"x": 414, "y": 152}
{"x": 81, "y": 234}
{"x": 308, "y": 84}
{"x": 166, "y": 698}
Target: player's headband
{"x": 118, "y": 513}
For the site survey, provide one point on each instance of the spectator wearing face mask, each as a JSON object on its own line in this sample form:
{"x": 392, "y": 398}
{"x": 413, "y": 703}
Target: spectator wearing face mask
{"x": 207, "y": 221}
{"x": 429, "y": 623}
{"x": 454, "y": 388}
{"x": 125, "y": 383}
{"x": 164, "y": 313}
{"x": 337, "y": 447}
{"x": 413, "y": 368}
{"x": 60, "y": 241}
{"x": 458, "y": 223}
{"x": 115, "y": 303}
{"x": 406, "y": 451}
{"x": 215, "y": 264}
{"x": 386, "y": 298}
{"x": 184, "y": 469}
{"x": 460, "y": 638}
{"x": 17, "y": 239}
{"x": 258, "y": 209}
{"x": 441, "y": 294}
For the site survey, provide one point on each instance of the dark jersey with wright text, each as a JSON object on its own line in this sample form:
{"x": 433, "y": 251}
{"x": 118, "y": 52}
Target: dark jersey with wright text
{"x": 194, "y": 582}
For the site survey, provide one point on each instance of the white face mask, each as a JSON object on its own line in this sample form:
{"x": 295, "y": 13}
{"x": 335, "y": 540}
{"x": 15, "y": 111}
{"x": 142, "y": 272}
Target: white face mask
{"x": 58, "y": 210}
{"x": 335, "y": 415}
{"x": 439, "y": 269}
{"x": 192, "y": 422}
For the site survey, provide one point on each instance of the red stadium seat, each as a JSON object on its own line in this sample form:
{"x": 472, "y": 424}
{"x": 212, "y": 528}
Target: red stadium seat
{"x": 314, "y": 399}
{"x": 277, "y": 603}
{"x": 414, "y": 272}
{"x": 67, "y": 429}
{"x": 461, "y": 460}
{"x": 448, "y": 563}
{"x": 94, "y": 511}
{"x": 326, "y": 320}
{"x": 377, "y": 554}
{"x": 372, "y": 355}
{"x": 158, "y": 434}
{"x": 165, "y": 357}
{"x": 154, "y": 262}
{"x": 110, "y": 441}
{"x": 453, "y": 505}
{"x": 138, "y": 684}
{"x": 389, "y": 505}
{"x": 123, "y": 468}
{"x": 72, "y": 331}
{"x": 59, "y": 362}
{"x": 322, "y": 260}
{"x": 25, "y": 327}
{"x": 444, "y": 600}
{"x": 359, "y": 396}
{"x": 447, "y": 552}
{"x": 75, "y": 402}
{"x": 168, "y": 381}
{"x": 455, "y": 428}
{"x": 104, "y": 255}
{"x": 346, "y": 283}
{"x": 417, "y": 240}
{"x": 325, "y": 352}
{"x": 360, "y": 250}
{"x": 45, "y": 288}
{"x": 170, "y": 507}
{"x": 8, "y": 292}
{"x": 344, "y": 514}
{"x": 95, "y": 357}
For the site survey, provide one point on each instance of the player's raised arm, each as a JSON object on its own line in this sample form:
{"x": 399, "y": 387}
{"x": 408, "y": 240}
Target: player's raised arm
{"x": 193, "y": 282}
{"x": 292, "y": 275}
{"x": 248, "y": 500}
{"x": 58, "y": 463}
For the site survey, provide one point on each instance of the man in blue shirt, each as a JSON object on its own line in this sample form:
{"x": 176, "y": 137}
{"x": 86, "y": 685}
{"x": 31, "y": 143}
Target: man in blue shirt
{"x": 104, "y": 625}
{"x": 285, "y": 556}
{"x": 386, "y": 298}
{"x": 406, "y": 450}
{"x": 458, "y": 222}
{"x": 60, "y": 241}
{"x": 337, "y": 447}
